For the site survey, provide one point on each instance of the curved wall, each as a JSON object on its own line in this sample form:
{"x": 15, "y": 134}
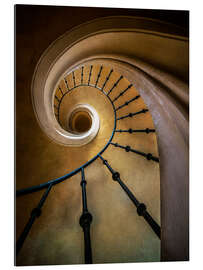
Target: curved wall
{"x": 150, "y": 65}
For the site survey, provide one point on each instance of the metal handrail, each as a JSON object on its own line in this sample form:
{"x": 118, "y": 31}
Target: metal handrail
{"x": 86, "y": 217}
{"x": 72, "y": 173}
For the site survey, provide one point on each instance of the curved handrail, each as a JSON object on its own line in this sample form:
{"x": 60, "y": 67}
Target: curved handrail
{"x": 86, "y": 217}
{"x": 66, "y": 176}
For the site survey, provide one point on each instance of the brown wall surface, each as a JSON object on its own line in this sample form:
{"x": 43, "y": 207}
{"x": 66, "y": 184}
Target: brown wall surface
{"x": 39, "y": 158}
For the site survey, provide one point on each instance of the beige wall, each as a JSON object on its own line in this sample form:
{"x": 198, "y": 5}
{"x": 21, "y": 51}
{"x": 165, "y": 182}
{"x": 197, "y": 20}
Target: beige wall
{"x": 118, "y": 233}
{"x": 56, "y": 237}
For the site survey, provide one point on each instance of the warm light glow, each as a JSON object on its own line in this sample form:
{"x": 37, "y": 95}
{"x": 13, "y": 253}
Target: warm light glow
{"x": 80, "y": 122}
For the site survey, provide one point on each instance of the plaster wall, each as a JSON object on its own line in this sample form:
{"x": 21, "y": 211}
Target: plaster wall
{"x": 40, "y": 158}
{"x": 118, "y": 233}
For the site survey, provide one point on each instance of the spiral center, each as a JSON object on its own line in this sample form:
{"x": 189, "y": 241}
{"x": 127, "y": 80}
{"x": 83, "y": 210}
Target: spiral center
{"x": 80, "y": 121}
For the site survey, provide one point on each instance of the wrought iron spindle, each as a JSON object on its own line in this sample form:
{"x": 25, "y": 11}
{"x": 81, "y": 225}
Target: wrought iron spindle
{"x": 130, "y": 130}
{"x": 66, "y": 84}
{"x": 90, "y": 74}
{"x": 85, "y": 221}
{"x": 123, "y": 92}
{"x": 61, "y": 91}
{"x": 115, "y": 84}
{"x": 127, "y": 148}
{"x": 57, "y": 113}
{"x": 107, "y": 78}
{"x": 99, "y": 74}
{"x": 57, "y": 99}
{"x": 132, "y": 114}
{"x": 127, "y": 102}
{"x": 73, "y": 74}
{"x": 86, "y": 217}
{"x": 82, "y": 75}
{"x": 36, "y": 212}
{"x": 141, "y": 208}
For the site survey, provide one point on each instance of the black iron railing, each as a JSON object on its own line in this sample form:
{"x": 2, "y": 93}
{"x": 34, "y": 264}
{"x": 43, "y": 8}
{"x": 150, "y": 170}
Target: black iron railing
{"x": 107, "y": 78}
{"x": 130, "y": 130}
{"x": 115, "y": 84}
{"x": 127, "y": 148}
{"x": 141, "y": 208}
{"x": 36, "y": 212}
{"x": 85, "y": 221}
{"x": 86, "y": 218}
{"x": 132, "y": 114}
{"x": 123, "y": 92}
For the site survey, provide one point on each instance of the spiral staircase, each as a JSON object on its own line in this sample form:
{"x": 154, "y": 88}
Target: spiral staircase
{"x": 97, "y": 148}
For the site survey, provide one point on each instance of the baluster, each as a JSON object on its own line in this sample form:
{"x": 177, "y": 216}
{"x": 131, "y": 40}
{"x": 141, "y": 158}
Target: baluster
{"x": 123, "y": 92}
{"x": 90, "y": 74}
{"x": 73, "y": 74}
{"x": 85, "y": 221}
{"x": 132, "y": 114}
{"x": 127, "y": 102}
{"x": 127, "y": 148}
{"x": 61, "y": 91}
{"x": 141, "y": 208}
{"x": 57, "y": 99}
{"x": 66, "y": 84}
{"x": 115, "y": 84}
{"x": 130, "y": 130}
{"x": 36, "y": 212}
{"x": 107, "y": 78}
{"x": 82, "y": 75}
{"x": 99, "y": 74}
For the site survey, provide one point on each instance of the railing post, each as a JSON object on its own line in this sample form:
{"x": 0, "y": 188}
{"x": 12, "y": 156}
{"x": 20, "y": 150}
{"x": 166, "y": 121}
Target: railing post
{"x": 107, "y": 78}
{"x": 123, "y": 92}
{"x": 127, "y": 148}
{"x": 98, "y": 76}
{"x": 90, "y": 74}
{"x": 74, "y": 79}
{"x": 36, "y": 212}
{"x": 115, "y": 84}
{"x": 85, "y": 221}
{"x": 141, "y": 208}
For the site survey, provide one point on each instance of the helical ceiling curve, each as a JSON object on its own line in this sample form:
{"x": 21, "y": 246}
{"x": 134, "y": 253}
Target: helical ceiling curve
{"x": 74, "y": 71}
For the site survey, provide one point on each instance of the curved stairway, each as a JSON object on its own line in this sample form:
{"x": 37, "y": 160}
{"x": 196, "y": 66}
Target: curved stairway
{"x": 125, "y": 150}
{"x": 99, "y": 201}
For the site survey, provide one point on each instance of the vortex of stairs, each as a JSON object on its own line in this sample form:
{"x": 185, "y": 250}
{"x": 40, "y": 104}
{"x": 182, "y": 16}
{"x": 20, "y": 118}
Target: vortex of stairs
{"x": 87, "y": 105}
